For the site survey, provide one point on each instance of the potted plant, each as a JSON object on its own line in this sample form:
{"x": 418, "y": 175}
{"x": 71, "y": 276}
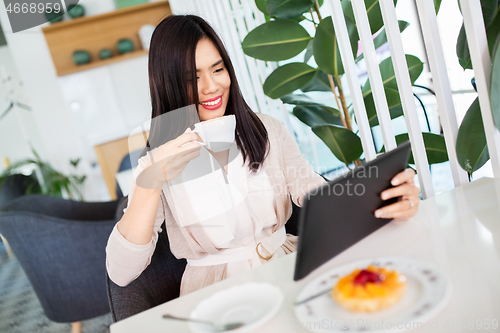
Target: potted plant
{"x": 283, "y": 36}
{"x": 45, "y": 179}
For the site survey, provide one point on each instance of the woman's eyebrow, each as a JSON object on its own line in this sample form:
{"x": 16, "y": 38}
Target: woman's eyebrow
{"x": 217, "y": 63}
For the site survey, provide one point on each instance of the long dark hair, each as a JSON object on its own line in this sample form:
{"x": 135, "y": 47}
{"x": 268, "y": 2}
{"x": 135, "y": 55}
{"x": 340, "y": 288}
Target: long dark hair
{"x": 172, "y": 70}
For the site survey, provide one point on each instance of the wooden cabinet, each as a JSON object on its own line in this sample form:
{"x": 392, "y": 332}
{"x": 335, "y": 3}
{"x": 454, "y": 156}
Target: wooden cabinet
{"x": 94, "y": 33}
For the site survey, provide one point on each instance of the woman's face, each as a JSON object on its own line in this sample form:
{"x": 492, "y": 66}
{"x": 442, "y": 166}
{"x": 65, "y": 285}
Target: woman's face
{"x": 213, "y": 81}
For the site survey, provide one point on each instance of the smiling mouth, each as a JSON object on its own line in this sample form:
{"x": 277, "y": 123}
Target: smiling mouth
{"x": 215, "y": 102}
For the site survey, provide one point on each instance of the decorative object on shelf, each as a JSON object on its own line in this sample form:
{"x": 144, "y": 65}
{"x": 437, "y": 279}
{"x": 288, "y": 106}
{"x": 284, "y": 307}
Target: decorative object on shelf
{"x": 81, "y": 57}
{"x": 105, "y": 53}
{"x": 108, "y": 27}
{"x": 124, "y": 45}
{"x": 53, "y": 17}
{"x": 76, "y": 11}
{"x": 145, "y": 34}
{"x": 127, "y": 3}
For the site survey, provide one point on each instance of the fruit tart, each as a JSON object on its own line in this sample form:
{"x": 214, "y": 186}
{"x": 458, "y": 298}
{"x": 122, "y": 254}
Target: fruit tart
{"x": 369, "y": 290}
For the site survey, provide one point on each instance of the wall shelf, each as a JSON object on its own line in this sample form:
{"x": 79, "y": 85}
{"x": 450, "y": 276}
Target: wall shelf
{"x": 94, "y": 33}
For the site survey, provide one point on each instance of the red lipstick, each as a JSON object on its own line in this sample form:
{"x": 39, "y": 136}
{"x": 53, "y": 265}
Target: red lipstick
{"x": 212, "y": 106}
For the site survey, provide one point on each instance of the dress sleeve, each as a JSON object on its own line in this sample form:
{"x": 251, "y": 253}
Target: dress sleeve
{"x": 125, "y": 261}
{"x": 299, "y": 175}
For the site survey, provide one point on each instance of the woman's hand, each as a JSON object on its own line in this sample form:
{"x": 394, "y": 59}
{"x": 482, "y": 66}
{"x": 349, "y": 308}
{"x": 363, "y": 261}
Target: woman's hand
{"x": 169, "y": 160}
{"x": 408, "y": 202}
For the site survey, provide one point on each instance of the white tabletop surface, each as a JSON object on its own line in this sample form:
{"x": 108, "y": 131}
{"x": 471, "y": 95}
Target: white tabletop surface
{"x": 458, "y": 230}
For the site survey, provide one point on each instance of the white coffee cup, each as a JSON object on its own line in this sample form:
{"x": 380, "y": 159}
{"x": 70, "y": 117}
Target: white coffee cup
{"x": 218, "y": 133}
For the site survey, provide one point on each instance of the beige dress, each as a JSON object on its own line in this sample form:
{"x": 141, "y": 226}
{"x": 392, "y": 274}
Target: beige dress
{"x": 218, "y": 233}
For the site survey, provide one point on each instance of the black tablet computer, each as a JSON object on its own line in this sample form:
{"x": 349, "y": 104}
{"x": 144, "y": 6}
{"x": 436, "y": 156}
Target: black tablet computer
{"x": 340, "y": 213}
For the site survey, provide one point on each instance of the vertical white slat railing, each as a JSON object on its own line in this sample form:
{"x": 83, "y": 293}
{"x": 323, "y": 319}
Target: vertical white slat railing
{"x": 253, "y": 18}
{"x": 223, "y": 26}
{"x": 481, "y": 62}
{"x": 238, "y": 11}
{"x": 376, "y": 83}
{"x": 247, "y": 18}
{"x": 352, "y": 79}
{"x": 230, "y": 36}
{"x": 437, "y": 64}
{"x": 406, "y": 94}
{"x": 265, "y": 68}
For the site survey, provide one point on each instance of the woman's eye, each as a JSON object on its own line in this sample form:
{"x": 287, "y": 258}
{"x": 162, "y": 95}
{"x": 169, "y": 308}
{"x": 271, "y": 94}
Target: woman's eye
{"x": 219, "y": 70}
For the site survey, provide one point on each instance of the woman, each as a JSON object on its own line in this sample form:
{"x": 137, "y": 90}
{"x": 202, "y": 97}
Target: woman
{"x": 262, "y": 171}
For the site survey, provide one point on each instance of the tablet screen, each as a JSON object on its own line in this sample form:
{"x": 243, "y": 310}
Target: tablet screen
{"x": 340, "y": 213}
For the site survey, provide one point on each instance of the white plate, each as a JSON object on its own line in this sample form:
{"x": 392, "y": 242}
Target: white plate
{"x": 428, "y": 290}
{"x": 251, "y": 303}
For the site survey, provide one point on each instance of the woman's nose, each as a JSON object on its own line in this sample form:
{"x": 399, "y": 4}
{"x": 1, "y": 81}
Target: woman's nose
{"x": 209, "y": 86}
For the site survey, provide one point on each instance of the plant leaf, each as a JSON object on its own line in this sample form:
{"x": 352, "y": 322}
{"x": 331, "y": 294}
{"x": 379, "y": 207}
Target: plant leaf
{"x": 261, "y": 5}
{"x": 299, "y": 18}
{"x": 372, "y": 10}
{"x": 437, "y": 4}
{"x": 463, "y": 50}
{"x": 489, "y": 9}
{"x": 74, "y": 162}
{"x": 309, "y": 51}
{"x": 325, "y": 47}
{"x": 319, "y": 82}
{"x": 491, "y": 17}
{"x": 304, "y": 100}
{"x": 313, "y": 115}
{"x": 393, "y": 102}
{"x": 286, "y": 9}
{"x": 298, "y": 99}
{"x": 435, "y": 147}
{"x": 495, "y": 85}
{"x": 381, "y": 38}
{"x": 343, "y": 143}
{"x": 288, "y": 78}
{"x": 472, "y": 148}
{"x": 493, "y": 31}
{"x": 287, "y": 35}
{"x": 415, "y": 67}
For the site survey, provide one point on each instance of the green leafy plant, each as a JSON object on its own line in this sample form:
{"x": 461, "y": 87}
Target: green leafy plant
{"x": 47, "y": 180}
{"x": 283, "y": 37}
{"x": 471, "y": 147}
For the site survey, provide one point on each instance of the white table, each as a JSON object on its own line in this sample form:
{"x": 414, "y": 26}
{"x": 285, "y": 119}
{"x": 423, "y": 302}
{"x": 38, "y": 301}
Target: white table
{"x": 458, "y": 230}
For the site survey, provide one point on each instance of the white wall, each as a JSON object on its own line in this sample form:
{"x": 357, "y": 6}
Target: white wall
{"x": 75, "y": 112}
{"x": 18, "y": 131}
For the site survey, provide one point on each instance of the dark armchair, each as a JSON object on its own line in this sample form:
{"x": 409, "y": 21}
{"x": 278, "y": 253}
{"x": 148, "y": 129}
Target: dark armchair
{"x": 60, "y": 244}
{"x": 160, "y": 282}
{"x": 12, "y": 187}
